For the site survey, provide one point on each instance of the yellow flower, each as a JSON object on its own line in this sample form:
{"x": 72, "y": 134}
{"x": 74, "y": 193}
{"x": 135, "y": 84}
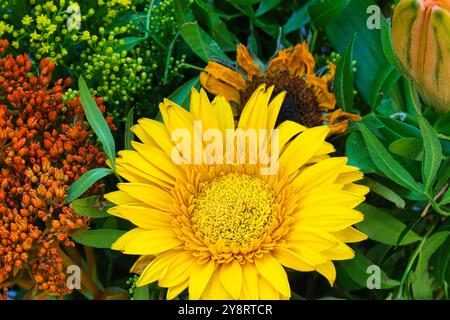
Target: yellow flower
{"x": 5, "y": 28}
{"x": 86, "y": 35}
{"x": 26, "y": 20}
{"x": 227, "y": 231}
{"x": 35, "y": 36}
{"x": 42, "y": 20}
{"x": 309, "y": 100}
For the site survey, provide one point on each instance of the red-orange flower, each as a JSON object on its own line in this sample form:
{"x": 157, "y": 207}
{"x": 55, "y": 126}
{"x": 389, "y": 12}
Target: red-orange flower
{"x": 44, "y": 148}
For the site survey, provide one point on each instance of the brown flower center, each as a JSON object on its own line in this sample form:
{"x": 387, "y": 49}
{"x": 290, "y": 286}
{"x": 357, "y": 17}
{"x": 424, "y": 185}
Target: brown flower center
{"x": 300, "y": 104}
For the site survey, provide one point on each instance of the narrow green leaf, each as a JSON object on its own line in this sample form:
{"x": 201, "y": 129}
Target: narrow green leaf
{"x": 442, "y": 125}
{"x": 343, "y": 81}
{"x": 182, "y": 95}
{"x": 382, "y": 227}
{"x": 443, "y": 261}
{"x": 408, "y": 148}
{"x": 445, "y": 198}
{"x": 386, "y": 42}
{"x": 385, "y": 192}
{"x": 85, "y": 182}
{"x": 386, "y": 163}
{"x": 101, "y": 238}
{"x": 266, "y": 5}
{"x": 356, "y": 151}
{"x": 433, "y": 153}
{"x": 201, "y": 43}
{"x": 298, "y": 19}
{"x": 92, "y": 206}
{"x": 385, "y": 78}
{"x": 358, "y": 270}
{"x": 96, "y": 120}
{"x": 421, "y": 286}
{"x": 129, "y": 136}
{"x": 183, "y": 13}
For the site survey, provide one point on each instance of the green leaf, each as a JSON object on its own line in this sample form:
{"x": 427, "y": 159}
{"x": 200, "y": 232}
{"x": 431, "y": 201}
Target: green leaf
{"x": 182, "y": 95}
{"x": 97, "y": 122}
{"x": 245, "y": 2}
{"x": 216, "y": 27}
{"x": 183, "y": 13}
{"x": 442, "y": 261}
{"x": 128, "y": 43}
{"x": 323, "y": 12}
{"x": 129, "y": 136}
{"x": 141, "y": 293}
{"x": 433, "y": 153}
{"x": 445, "y": 198}
{"x": 409, "y": 148}
{"x": 343, "y": 81}
{"x": 442, "y": 125}
{"x": 85, "y": 182}
{"x": 356, "y": 151}
{"x": 368, "y": 51}
{"x": 382, "y": 227}
{"x": 298, "y": 19}
{"x": 201, "y": 43}
{"x": 92, "y": 206}
{"x": 386, "y": 163}
{"x": 421, "y": 286}
{"x": 386, "y": 193}
{"x": 358, "y": 270}
{"x": 385, "y": 78}
{"x": 266, "y": 5}
{"x": 101, "y": 238}
{"x": 386, "y": 42}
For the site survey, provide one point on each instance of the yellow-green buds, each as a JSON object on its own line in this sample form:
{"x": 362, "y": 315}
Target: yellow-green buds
{"x": 421, "y": 39}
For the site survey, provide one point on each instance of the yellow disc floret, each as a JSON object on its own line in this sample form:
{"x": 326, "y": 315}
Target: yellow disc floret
{"x": 235, "y": 208}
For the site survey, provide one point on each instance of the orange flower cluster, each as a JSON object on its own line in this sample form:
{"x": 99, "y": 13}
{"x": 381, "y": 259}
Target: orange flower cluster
{"x": 45, "y": 146}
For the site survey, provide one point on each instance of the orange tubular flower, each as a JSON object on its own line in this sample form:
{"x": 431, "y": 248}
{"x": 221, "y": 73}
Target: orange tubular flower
{"x": 44, "y": 148}
{"x": 309, "y": 100}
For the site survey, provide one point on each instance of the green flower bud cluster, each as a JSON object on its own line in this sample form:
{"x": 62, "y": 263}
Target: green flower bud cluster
{"x": 116, "y": 75}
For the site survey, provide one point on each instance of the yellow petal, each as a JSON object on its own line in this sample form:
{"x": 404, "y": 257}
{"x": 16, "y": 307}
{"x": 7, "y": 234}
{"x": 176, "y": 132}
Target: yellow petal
{"x": 146, "y": 218}
{"x": 304, "y": 146}
{"x": 246, "y": 62}
{"x": 174, "y": 291}
{"x": 148, "y": 242}
{"x": 273, "y": 272}
{"x": 267, "y": 291}
{"x": 217, "y": 87}
{"x": 291, "y": 260}
{"x": 149, "y": 194}
{"x": 215, "y": 290}
{"x": 328, "y": 271}
{"x": 350, "y": 235}
{"x": 156, "y": 269}
{"x": 119, "y": 197}
{"x": 158, "y": 133}
{"x": 250, "y": 289}
{"x": 199, "y": 278}
{"x": 178, "y": 270}
{"x": 287, "y": 130}
{"x": 231, "y": 277}
{"x": 274, "y": 110}
{"x": 225, "y": 75}
{"x": 328, "y": 218}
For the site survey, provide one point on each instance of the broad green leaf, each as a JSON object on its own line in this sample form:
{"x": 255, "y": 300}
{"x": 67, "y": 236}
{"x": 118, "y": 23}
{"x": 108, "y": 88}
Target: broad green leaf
{"x": 101, "y": 238}
{"x": 97, "y": 122}
{"x": 141, "y": 293}
{"x": 358, "y": 270}
{"x": 92, "y": 206}
{"x": 386, "y": 163}
{"x": 356, "y": 151}
{"x": 409, "y": 148}
{"x": 343, "y": 81}
{"x": 445, "y": 198}
{"x": 245, "y": 2}
{"x": 183, "y": 13}
{"x": 129, "y": 136}
{"x": 421, "y": 286}
{"x": 368, "y": 51}
{"x": 128, "y": 43}
{"x": 201, "y": 43}
{"x": 85, "y": 182}
{"x": 323, "y": 12}
{"x": 386, "y": 193}
{"x": 385, "y": 78}
{"x": 382, "y": 227}
{"x": 433, "y": 153}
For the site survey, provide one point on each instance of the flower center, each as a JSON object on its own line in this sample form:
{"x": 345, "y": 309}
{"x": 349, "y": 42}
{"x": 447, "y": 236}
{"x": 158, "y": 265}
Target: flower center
{"x": 235, "y": 208}
{"x": 300, "y": 104}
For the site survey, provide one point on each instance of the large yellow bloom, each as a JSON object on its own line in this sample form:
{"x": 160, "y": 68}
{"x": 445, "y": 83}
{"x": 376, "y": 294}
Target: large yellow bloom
{"x": 226, "y": 231}
{"x": 310, "y": 100}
